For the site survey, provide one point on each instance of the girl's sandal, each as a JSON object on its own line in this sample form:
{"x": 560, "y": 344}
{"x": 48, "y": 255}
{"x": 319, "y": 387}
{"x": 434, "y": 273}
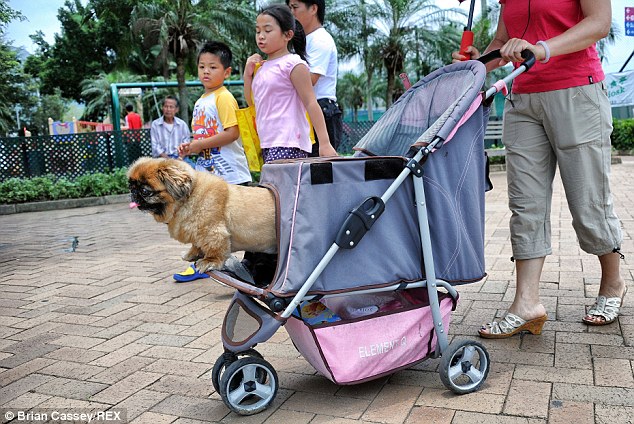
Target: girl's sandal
{"x": 605, "y": 310}
{"x": 510, "y": 325}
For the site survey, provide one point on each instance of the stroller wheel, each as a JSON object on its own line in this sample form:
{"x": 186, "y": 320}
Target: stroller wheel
{"x": 221, "y": 364}
{"x": 464, "y": 366}
{"x": 248, "y": 385}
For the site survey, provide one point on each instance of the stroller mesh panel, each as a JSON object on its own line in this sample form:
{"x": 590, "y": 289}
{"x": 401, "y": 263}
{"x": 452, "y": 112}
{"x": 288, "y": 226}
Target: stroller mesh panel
{"x": 240, "y": 325}
{"x": 419, "y": 108}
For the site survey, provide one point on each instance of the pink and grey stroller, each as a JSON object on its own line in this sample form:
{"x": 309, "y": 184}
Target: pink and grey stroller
{"x": 395, "y": 226}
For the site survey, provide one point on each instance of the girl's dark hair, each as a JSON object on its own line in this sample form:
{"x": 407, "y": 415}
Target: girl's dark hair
{"x": 287, "y": 22}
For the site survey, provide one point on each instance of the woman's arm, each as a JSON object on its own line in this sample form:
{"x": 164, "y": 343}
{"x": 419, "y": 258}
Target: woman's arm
{"x": 594, "y": 26}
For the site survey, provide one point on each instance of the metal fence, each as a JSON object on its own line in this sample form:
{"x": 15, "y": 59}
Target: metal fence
{"x": 72, "y": 155}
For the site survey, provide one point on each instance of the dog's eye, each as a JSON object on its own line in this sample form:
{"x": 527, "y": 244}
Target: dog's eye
{"x": 146, "y": 192}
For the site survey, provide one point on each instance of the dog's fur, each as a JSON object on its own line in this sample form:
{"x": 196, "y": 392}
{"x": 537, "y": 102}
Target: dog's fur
{"x": 202, "y": 209}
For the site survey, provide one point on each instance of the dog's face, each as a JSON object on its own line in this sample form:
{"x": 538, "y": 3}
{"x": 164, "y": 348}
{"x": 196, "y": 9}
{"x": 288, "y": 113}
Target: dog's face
{"x": 156, "y": 185}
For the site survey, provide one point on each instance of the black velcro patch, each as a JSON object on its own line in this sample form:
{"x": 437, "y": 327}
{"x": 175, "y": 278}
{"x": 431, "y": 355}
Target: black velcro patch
{"x": 383, "y": 169}
{"x": 321, "y": 173}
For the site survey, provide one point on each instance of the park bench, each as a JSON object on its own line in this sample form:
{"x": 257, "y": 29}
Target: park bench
{"x": 493, "y": 137}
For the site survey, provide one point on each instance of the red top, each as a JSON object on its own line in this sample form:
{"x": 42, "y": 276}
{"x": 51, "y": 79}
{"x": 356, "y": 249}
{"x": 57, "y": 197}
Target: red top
{"x": 549, "y": 18}
{"x": 134, "y": 121}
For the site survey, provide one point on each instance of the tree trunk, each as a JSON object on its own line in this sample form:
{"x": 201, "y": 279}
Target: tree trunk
{"x": 391, "y": 79}
{"x": 368, "y": 95}
{"x": 182, "y": 89}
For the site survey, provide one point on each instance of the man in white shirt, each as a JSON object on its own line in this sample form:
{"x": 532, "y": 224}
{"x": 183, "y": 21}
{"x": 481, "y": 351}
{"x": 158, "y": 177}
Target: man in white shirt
{"x": 321, "y": 53}
{"x": 168, "y": 131}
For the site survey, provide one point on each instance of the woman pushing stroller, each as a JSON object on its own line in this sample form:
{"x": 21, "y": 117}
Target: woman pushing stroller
{"x": 557, "y": 114}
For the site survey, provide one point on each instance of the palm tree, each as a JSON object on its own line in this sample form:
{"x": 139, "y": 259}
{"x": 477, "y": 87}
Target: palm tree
{"x": 389, "y": 28}
{"x": 399, "y": 22}
{"x": 351, "y": 90}
{"x": 96, "y": 91}
{"x": 173, "y": 31}
{"x": 349, "y": 21}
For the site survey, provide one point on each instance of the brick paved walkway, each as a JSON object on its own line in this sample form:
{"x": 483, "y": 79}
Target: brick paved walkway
{"x": 105, "y": 327}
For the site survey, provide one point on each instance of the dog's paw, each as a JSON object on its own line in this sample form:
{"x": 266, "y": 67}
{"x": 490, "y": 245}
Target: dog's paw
{"x": 192, "y": 255}
{"x": 207, "y": 264}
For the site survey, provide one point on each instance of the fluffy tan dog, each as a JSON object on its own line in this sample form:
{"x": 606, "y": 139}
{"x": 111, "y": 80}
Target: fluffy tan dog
{"x": 202, "y": 209}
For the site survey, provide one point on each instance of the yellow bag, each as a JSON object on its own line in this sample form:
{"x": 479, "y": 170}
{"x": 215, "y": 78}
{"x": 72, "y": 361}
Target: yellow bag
{"x": 250, "y": 138}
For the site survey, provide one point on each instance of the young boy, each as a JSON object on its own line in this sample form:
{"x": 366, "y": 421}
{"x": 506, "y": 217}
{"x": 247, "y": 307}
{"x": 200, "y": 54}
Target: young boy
{"x": 214, "y": 123}
{"x": 215, "y": 128}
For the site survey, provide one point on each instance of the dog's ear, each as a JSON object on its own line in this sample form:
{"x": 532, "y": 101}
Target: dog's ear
{"x": 177, "y": 178}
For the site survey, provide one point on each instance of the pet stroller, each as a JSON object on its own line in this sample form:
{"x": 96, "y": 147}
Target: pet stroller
{"x": 334, "y": 250}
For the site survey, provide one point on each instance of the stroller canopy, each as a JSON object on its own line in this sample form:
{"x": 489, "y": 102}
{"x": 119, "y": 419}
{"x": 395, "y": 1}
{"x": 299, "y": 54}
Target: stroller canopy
{"x": 433, "y": 106}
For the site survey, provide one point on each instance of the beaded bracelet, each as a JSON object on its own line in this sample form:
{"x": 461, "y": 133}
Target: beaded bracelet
{"x": 546, "y": 51}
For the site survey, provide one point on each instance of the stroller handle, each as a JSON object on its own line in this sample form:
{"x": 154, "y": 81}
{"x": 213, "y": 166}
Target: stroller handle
{"x": 529, "y": 58}
{"x": 501, "y": 85}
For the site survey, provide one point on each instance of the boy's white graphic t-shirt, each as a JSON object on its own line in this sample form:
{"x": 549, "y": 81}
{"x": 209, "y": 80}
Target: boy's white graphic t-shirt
{"x": 213, "y": 112}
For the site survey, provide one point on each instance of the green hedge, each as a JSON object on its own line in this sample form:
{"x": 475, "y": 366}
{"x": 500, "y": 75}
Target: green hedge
{"x": 623, "y": 134}
{"x": 20, "y": 190}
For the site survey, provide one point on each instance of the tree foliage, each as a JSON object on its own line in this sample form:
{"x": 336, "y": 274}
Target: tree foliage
{"x": 173, "y": 30}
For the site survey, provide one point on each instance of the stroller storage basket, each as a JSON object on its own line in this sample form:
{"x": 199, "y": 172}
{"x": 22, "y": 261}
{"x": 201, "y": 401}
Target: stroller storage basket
{"x": 353, "y": 351}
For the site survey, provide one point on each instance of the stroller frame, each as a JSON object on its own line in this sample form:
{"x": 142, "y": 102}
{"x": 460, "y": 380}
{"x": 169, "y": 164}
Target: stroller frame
{"x": 248, "y": 384}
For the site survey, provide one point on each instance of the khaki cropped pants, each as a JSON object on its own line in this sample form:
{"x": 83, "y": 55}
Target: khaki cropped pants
{"x": 570, "y": 128}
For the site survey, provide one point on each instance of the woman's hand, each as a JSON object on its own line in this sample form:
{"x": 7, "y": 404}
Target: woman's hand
{"x": 512, "y": 50}
{"x": 457, "y": 57}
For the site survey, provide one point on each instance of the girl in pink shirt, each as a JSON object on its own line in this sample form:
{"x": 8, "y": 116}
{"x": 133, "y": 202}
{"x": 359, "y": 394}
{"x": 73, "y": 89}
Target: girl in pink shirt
{"x": 281, "y": 89}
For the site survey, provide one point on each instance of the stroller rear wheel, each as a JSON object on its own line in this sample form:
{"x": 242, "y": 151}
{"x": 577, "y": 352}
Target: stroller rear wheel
{"x": 225, "y": 359}
{"x": 248, "y": 385}
{"x": 464, "y": 366}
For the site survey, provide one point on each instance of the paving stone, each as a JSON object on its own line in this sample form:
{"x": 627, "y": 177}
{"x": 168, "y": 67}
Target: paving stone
{"x": 554, "y": 374}
{"x": 613, "y": 414}
{"x": 613, "y": 372}
{"x": 23, "y": 370}
{"x": 184, "y": 368}
{"x": 186, "y": 386}
{"x": 423, "y": 414}
{"x": 119, "y": 341}
{"x": 170, "y": 352}
{"x": 70, "y": 388}
{"x": 392, "y": 404}
{"x": 528, "y": 399}
{"x": 126, "y": 387}
{"x": 566, "y": 412}
{"x": 568, "y": 355}
{"x": 140, "y": 402}
{"x": 73, "y": 354}
{"x": 462, "y": 417}
{"x": 191, "y": 407}
{"x": 122, "y": 369}
{"x": 71, "y": 370}
{"x": 477, "y": 402}
{"x": 343, "y": 407}
{"x": 26, "y": 402}
{"x": 617, "y": 396}
{"x": 120, "y": 355}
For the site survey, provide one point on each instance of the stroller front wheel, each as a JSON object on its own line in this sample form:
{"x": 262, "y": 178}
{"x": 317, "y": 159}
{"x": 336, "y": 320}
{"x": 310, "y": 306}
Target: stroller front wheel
{"x": 464, "y": 366}
{"x": 224, "y": 360}
{"x": 248, "y": 385}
